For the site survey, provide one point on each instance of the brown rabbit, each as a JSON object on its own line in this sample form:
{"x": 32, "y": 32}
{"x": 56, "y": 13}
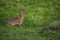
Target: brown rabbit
{"x": 16, "y": 20}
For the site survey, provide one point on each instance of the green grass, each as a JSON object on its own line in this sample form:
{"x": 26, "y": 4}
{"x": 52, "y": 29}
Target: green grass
{"x": 38, "y": 14}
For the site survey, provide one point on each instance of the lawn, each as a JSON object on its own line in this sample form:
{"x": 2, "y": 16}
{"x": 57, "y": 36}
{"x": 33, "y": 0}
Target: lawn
{"x": 38, "y": 15}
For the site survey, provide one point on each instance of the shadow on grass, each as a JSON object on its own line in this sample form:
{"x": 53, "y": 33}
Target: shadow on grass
{"x": 51, "y": 34}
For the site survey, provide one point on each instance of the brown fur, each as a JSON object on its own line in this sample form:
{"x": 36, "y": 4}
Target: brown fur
{"x": 16, "y": 20}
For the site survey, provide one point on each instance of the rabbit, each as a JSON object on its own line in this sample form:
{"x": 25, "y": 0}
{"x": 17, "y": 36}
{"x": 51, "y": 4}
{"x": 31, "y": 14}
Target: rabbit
{"x": 16, "y": 20}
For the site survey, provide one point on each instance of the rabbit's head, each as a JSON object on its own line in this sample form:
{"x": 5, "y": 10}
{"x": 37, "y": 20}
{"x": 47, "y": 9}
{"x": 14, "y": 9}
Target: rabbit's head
{"x": 21, "y": 13}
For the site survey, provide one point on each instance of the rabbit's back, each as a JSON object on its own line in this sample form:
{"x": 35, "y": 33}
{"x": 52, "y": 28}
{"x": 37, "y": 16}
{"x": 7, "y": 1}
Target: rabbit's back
{"x": 13, "y": 20}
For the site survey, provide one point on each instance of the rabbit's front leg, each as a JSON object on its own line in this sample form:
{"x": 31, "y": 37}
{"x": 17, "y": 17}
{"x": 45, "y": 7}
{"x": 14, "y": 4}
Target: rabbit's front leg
{"x": 20, "y": 23}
